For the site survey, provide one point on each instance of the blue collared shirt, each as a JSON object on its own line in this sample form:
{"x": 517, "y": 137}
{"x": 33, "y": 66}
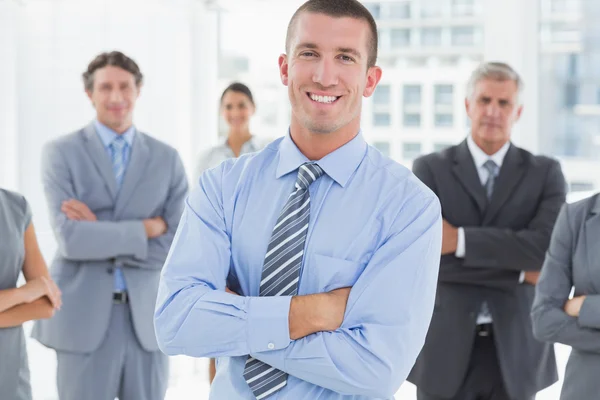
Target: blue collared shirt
{"x": 373, "y": 226}
{"x": 107, "y": 136}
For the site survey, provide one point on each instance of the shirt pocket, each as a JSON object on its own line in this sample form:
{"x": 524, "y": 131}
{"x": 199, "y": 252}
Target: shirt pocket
{"x": 327, "y": 273}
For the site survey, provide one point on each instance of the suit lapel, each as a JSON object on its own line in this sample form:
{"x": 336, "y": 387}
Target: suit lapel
{"x": 466, "y": 173}
{"x": 511, "y": 173}
{"x": 134, "y": 172}
{"x": 592, "y": 233}
{"x": 95, "y": 149}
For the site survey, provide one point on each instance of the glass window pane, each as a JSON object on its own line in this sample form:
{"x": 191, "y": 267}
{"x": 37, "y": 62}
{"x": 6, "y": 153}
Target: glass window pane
{"x": 400, "y": 10}
{"x": 412, "y": 120}
{"x": 463, "y": 8}
{"x": 463, "y": 36}
{"x": 431, "y": 9}
{"x": 444, "y": 94}
{"x": 381, "y": 119}
{"x": 382, "y": 95}
{"x": 412, "y": 94}
{"x": 444, "y": 120}
{"x": 410, "y": 151}
{"x": 400, "y": 38}
{"x": 431, "y": 36}
{"x": 383, "y": 147}
{"x": 374, "y": 9}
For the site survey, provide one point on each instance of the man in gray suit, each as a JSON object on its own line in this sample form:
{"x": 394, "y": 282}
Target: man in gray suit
{"x": 115, "y": 196}
{"x": 499, "y": 204}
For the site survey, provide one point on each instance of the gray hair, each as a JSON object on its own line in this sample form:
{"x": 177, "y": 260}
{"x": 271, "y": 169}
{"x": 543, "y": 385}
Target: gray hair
{"x": 496, "y": 71}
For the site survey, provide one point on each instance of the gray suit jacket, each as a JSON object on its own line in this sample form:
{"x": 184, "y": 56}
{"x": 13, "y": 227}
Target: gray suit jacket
{"x": 573, "y": 260}
{"x": 503, "y": 238}
{"x": 77, "y": 166}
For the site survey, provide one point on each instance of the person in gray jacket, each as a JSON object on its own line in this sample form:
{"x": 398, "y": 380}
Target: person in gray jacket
{"x": 573, "y": 261}
{"x": 115, "y": 196}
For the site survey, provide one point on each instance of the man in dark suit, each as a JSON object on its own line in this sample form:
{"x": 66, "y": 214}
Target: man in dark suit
{"x": 499, "y": 204}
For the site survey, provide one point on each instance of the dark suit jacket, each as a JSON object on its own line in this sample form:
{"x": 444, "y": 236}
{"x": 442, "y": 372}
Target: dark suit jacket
{"x": 573, "y": 261}
{"x": 503, "y": 238}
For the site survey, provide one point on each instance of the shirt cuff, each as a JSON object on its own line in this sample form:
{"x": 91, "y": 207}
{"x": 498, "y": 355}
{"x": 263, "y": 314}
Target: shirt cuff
{"x": 460, "y": 246}
{"x": 522, "y": 277}
{"x": 268, "y": 323}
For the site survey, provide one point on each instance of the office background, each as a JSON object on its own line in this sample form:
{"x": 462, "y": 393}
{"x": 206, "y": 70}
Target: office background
{"x": 189, "y": 50}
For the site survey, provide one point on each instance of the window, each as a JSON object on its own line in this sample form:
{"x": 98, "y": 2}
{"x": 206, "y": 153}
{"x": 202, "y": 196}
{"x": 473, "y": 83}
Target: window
{"x": 431, "y": 9}
{"x": 382, "y": 95}
{"x": 400, "y": 38}
{"x": 463, "y": 8}
{"x": 412, "y": 120}
{"x": 412, "y": 94}
{"x": 565, "y": 6}
{"x": 383, "y": 147}
{"x": 431, "y": 37}
{"x": 374, "y": 9}
{"x": 440, "y": 146}
{"x": 444, "y": 94}
{"x": 382, "y": 119}
{"x": 581, "y": 186}
{"x": 400, "y": 10}
{"x": 410, "y": 151}
{"x": 463, "y": 36}
{"x": 444, "y": 120}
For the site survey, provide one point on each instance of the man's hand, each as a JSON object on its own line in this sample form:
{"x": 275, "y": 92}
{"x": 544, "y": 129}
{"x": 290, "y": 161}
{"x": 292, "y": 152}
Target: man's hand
{"x": 531, "y": 277}
{"x": 449, "y": 238}
{"x": 317, "y": 312}
{"x": 573, "y": 306}
{"x": 77, "y": 211}
{"x": 155, "y": 227}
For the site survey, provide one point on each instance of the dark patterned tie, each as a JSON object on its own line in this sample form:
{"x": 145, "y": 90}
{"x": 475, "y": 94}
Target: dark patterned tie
{"x": 281, "y": 270}
{"x": 492, "y": 169}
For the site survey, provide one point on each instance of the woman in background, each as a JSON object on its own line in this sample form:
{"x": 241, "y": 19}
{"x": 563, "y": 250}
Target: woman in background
{"x": 37, "y": 299}
{"x": 237, "y": 107}
{"x": 573, "y": 261}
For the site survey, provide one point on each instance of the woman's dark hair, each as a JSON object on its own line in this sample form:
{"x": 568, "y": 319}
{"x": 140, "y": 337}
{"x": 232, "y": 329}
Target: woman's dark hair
{"x": 240, "y": 88}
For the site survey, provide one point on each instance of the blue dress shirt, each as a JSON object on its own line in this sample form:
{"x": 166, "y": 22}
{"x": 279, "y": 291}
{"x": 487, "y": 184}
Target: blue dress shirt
{"x": 373, "y": 226}
{"x": 107, "y": 136}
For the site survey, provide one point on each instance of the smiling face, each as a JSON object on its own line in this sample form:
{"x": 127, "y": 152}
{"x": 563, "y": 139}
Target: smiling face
{"x": 493, "y": 109}
{"x": 327, "y": 75}
{"x": 114, "y": 94}
{"x": 237, "y": 108}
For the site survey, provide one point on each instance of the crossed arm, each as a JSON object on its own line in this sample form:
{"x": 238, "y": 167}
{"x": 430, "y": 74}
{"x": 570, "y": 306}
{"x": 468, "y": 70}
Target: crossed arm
{"x": 360, "y": 341}
{"x": 38, "y": 298}
{"x": 134, "y": 243}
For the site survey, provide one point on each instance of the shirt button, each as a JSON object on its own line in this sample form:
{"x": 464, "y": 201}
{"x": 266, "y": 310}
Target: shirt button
{"x": 271, "y": 346}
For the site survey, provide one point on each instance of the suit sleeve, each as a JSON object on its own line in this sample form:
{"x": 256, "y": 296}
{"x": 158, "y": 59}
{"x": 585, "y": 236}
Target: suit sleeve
{"x": 521, "y": 250}
{"x": 158, "y": 248}
{"x": 549, "y": 320}
{"x": 451, "y": 269}
{"x": 85, "y": 240}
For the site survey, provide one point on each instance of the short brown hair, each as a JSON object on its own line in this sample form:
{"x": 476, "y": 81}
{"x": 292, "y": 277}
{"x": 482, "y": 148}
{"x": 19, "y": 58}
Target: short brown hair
{"x": 116, "y": 59}
{"x": 338, "y": 9}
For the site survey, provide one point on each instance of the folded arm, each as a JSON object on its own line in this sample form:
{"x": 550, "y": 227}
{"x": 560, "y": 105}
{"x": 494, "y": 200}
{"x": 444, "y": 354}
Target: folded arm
{"x": 85, "y": 240}
{"x": 387, "y": 316}
{"x": 550, "y": 321}
{"x": 521, "y": 250}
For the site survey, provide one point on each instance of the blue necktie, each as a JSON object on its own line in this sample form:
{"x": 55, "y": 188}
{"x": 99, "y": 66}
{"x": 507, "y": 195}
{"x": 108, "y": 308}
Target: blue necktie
{"x": 281, "y": 270}
{"x": 118, "y": 148}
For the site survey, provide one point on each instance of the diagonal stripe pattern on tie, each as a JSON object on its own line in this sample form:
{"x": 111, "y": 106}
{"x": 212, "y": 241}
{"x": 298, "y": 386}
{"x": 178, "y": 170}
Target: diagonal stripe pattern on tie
{"x": 281, "y": 270}
{"x": 118, "y": 158}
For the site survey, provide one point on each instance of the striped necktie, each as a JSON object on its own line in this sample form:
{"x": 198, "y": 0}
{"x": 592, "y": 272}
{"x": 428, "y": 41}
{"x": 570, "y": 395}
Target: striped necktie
{"x": 281, "y": 270}
{"x": 117, "y": 148}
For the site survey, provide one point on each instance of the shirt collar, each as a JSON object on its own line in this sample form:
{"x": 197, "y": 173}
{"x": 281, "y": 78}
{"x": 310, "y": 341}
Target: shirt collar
{"x": 480, "y": 157}
{"x": 339, "y": 164}
{"x": 107, "y": 135}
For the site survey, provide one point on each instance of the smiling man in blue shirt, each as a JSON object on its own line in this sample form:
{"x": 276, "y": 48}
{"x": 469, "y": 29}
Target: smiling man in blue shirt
{"x": 308, "y": 269}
